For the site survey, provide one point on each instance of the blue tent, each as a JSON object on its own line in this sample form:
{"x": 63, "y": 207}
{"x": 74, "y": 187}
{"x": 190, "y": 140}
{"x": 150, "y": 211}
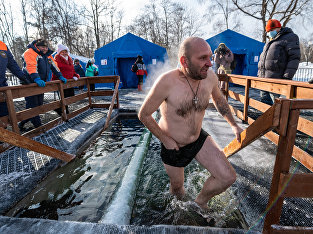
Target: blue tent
{"x": 117, "y": 57}
{"x": 246, "y": 50}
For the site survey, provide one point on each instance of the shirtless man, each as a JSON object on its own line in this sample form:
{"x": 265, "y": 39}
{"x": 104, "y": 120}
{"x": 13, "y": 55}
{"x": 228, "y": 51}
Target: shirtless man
{"x": 183, "y": 95}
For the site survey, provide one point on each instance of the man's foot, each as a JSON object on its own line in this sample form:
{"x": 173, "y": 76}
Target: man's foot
{"x": 204, "y": 212}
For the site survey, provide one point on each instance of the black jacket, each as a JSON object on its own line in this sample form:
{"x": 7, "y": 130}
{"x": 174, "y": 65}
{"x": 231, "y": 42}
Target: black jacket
{"x": 281, "y": 56}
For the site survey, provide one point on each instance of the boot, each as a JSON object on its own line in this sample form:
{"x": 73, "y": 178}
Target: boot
{"x": 139, "y": 87}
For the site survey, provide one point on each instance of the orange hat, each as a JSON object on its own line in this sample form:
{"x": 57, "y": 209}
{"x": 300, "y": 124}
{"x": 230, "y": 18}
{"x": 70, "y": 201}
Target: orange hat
{"x": 272, "y": 24}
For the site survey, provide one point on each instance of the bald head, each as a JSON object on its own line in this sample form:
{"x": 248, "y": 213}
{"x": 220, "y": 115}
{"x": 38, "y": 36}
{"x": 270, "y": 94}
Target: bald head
{"x": 187, "y": 45}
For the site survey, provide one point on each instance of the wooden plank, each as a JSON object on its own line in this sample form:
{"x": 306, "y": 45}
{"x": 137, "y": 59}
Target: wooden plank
{"x": 33, "y": 89}
{"x": 260, "y": 126}
{"x": 43, "y": 128}
{"x": 246, "y": 100}
{"x": 296, "y": 185}
{"x": 304, "y": 92}
{"x": 278, "y": 229}
{"x": 282, "y": 164}
{"x": 303, "y": 157}
{"x": 62, "y": 101}
{"x": 302, "y": 104}
{"x": 270, "y": 87}
{"x": 29, "y": 113}
{"x": 237, "y": 112}
{"x": 283, "y": 122}
{"x": 27, "y": 143}
{"x": 290, "y": 91}
{"x": 12, "y": 112}
{"x": 305, "y": 126}
{"x": 112, "y": 104}
{"x": 238, "y": 81}
{"x": 106, "y": 106}
{"x": 76, "y": 98}
{"x": 102, "y": 79}
{"x": 258, "y": 105}
{"x": 103, "y": 93}
{"x": 236, "y": 96}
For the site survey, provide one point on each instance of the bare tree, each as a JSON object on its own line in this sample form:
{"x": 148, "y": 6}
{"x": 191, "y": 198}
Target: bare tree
{"x": 227, "y": 10}
{"x": 7, "y": 24}
{"x": 25, "y": 23}
{"x": 41, "y": 16}
{"x": 282, "y": 10}
{"x": 307, "y": 50}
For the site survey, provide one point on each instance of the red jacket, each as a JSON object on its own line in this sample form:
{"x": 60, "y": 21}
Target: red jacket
{"x": 66, "y": 67}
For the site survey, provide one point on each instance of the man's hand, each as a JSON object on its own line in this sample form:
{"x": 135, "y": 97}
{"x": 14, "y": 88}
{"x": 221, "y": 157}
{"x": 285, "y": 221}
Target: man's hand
{"x": 40, "y": 82}
{"x": 61, "y": 78}
{"x": 237, "y": 130}
{"x": 170, "y": 144}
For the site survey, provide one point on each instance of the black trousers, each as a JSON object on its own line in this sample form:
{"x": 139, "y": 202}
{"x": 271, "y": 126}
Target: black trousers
{"x": 31, "y": 102}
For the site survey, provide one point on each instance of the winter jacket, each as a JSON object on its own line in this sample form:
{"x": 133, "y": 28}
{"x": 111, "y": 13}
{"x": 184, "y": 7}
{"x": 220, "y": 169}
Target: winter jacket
{"x": 281, "y": 56}
{"x": 79, "y": 70}
{"x": 66, "y": 67}
{"x": 39, "y": 65}
{"x": 7, "y": 61}
{"x": 141, "y": 69}
{"x": 90, "y": 70}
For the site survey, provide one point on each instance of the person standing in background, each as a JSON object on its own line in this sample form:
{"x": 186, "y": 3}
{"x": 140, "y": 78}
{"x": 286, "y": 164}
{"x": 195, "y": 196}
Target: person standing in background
{"x": 280, "y": 57}
{"x": 91, "y": 70}
{"x": 223, "y": 59}
{"x": 7, "y": 61}
{"x": 79, "y": 70}
{"x": 65, "y": 64}
{"x": 140, "y": 69}
{"x": 38, "y": 65}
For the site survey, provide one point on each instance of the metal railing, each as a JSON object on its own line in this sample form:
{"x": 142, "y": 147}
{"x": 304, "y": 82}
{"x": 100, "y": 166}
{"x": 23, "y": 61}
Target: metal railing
{"x": 303, "y": 74}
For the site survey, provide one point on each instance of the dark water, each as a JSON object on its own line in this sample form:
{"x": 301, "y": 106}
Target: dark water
{"x": 82, "y": 189}
{"x": 154, "y": 205}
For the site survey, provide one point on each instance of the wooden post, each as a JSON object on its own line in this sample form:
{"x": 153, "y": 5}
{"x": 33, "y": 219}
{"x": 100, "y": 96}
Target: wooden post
{"x": 112, "y": 104}
{"x": 62, "y": 100}
{"x": 11, "y": 110}
{"x": 246, "y": 104}
{"x": 89, "y": 93}
{"x": 27, "y": 143}
{"x": 282, "y": 165}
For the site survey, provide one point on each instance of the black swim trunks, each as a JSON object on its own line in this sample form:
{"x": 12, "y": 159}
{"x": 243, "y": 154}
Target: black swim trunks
{"x": 185, "y": 154}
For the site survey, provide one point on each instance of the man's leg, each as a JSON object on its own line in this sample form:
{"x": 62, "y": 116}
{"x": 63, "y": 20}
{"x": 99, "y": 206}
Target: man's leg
{"x": 176, "y": 175}
{"x": 265, "y": 97}
{"x": 222, "y": 173}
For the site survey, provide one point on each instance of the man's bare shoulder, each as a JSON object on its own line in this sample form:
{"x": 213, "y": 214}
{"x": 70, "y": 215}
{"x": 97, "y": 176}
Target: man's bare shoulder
{"x": 212, "y": 78}
{"x": 169, "y": 76}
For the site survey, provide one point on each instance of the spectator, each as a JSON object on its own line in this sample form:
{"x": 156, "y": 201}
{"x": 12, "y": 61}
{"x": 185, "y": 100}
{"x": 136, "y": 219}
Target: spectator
{"x": 79, "y": 70}
{"x": 223, "y": 59}
{"x": 140, "y": 69}
{"x": 65, "y": 64}
{"x": 91, "y": 70}
{"x": 280, "y": 57}
{"x": 7, "y": 62}
{"x": 38, "y": 64}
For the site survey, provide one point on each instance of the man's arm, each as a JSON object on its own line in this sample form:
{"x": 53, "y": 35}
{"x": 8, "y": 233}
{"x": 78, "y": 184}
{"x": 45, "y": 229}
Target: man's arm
{"x": 158, "y": 93}
{"x": 222, "y": 106}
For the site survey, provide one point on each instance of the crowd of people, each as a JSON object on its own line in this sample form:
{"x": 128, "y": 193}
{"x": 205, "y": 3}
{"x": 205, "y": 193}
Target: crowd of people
{"x": 39, "y": 66}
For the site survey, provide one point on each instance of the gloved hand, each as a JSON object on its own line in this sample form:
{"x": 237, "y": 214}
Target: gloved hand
{"x": 61, "y": 78}
{"x": 40, "y": 82}
{"x": 75, "y": 78}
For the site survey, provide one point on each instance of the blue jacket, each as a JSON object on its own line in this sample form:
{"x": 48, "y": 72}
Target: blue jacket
{"x": 79, "y": 70}
{"x": 39, "y": 65}
{"x": 7, "y": 61}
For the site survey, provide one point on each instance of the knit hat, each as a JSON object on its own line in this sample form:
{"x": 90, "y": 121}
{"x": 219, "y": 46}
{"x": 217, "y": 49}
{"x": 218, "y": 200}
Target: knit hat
{"x": 272, "y": 24}
{"x": 41, "y": 42}
{"x": 62, "y": 47}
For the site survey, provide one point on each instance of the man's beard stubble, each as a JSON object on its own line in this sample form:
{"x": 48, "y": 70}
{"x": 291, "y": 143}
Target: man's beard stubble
{"x": 192, "y": 72}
